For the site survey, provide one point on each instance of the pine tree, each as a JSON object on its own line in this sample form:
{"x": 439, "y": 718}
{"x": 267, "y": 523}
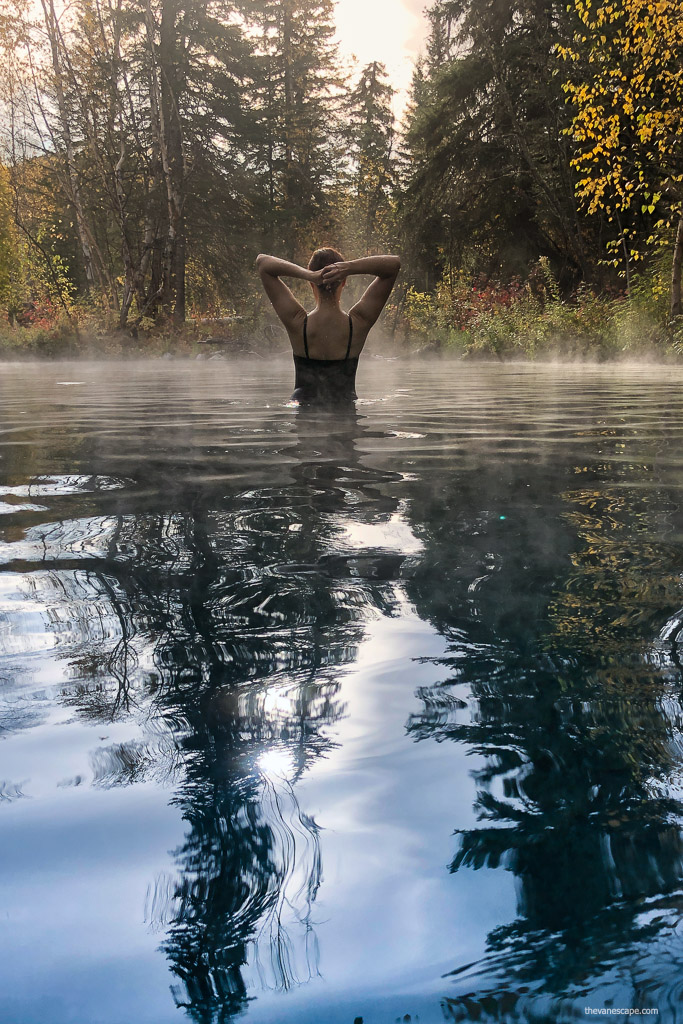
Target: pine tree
{"x": 371, "y": 143}
{"x": 299, "y": 100}
{"x": 491, "y": 183}
{"x": 199, "y": 61}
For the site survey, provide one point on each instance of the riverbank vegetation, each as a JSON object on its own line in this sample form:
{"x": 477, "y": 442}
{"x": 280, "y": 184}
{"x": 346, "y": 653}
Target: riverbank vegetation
{"x": 150, "y": 148}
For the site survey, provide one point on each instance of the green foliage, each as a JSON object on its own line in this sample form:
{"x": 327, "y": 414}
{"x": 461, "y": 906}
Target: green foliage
{"x": 370, "y": 138}
{"x": 422, "y": 312}
{"x": 152, "y": 147}
{"x": 11, "y": 270}
{"x": 532, "y": 320}
{"x": 530, "y": 329}
{"x": 487, "y": 178}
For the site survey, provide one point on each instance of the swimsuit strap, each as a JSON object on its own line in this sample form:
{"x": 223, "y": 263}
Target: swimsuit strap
{"x": 348, "y": 347}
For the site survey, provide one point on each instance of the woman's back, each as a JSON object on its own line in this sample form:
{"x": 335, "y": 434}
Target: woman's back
{"x": 328, "y": 378}
{"x": 329, "y": 334}
{"x": 327, "y": 342}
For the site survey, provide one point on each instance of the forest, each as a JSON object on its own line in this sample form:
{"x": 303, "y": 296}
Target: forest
{"x": 149, "y": 149}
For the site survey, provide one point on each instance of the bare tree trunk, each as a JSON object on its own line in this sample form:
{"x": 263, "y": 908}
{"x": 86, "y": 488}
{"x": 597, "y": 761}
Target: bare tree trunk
{"x": 171, "y": 54}
{"x": 179, "y": 274}
{"x": 166, "y": 118}
{"x": 627, "y": 258}
{"x": 271, "y": 155}
{"x": 140, "y": 274}
{"x": 676, "y": 304}
{"x": 287, "y": 121}
{"x": 84, "y": 233}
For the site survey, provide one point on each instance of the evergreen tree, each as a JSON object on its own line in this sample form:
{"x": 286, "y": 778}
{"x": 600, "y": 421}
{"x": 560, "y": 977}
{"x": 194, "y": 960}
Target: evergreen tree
{"x": 371, "y": 145}
{"x": 490, "y": 182}
{"x": 299, "y": 98}
{"x": 137, "y": 109}
{"x": 200, "y": 60}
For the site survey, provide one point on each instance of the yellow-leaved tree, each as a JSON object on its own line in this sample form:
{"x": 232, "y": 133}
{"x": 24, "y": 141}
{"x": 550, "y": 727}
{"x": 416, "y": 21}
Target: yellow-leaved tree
{"x": 11, "y": 247}
{"x": 626, "y": 84}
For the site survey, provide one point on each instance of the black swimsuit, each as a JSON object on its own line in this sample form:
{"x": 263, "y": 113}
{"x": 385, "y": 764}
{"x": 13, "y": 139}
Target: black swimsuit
{"x": 325, "y": 380}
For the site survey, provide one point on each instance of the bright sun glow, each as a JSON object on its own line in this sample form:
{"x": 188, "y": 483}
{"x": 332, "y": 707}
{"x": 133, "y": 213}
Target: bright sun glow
{"x": 389, "y": 31}
{"x": 275, "y": 762}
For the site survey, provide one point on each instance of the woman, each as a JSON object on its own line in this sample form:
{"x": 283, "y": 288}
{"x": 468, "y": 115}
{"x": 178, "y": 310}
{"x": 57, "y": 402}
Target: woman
{"x": 327, "y": 342}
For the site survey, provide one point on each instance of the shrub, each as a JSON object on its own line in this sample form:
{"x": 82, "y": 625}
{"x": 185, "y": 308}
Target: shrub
{"x": 530, "y": 320}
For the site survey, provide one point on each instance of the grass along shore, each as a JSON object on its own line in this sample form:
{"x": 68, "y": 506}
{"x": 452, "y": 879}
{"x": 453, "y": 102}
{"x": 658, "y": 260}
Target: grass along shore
{"x": 532, "y": 321}
{"x": 470, "y": 321}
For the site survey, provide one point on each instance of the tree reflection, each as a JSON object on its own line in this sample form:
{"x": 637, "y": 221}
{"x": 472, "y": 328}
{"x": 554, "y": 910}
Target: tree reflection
{"x": 222, "y": 622}
{"x": 579, "y": 717}
{"x": 215, "y": 601}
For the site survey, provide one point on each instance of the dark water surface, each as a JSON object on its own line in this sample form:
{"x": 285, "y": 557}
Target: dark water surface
{"x": 311, "y": 718}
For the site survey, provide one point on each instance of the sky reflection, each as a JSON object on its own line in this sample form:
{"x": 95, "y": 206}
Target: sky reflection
{"x": 331, "y": 722}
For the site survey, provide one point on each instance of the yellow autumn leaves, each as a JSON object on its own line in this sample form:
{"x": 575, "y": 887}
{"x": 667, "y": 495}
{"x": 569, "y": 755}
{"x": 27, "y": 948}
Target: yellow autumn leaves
{"x": 626, "y": 86}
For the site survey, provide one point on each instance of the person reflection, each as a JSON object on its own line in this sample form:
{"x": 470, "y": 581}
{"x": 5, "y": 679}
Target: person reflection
{"x": 229, "y": 621}
{"x": 265, "y": 647}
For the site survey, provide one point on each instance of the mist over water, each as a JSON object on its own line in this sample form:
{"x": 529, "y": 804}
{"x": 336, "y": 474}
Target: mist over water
{"x": 314, "y": 717}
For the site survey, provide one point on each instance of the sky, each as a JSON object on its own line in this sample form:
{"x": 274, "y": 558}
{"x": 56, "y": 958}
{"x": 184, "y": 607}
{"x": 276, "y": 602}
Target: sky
{"x": 390, "y": 31}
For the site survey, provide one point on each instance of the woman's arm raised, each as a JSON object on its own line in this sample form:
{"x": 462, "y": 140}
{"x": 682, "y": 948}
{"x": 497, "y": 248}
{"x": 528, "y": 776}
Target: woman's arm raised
{"x": 287, "y": 307}
{"x": 274, "y": 267}
{"x": 379, "y": 266}
{"x": 374, "y": 299}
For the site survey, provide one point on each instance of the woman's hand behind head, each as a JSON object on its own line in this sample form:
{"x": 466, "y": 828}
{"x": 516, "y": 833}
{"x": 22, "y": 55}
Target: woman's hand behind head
{"x": 335, "y": 273}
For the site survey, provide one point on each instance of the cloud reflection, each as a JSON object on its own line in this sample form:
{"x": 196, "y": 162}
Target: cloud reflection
{"x": 221, "y": 633}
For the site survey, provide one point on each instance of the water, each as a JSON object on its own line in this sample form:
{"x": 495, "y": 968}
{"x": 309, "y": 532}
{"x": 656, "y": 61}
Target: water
{"x": 313, "y": 718}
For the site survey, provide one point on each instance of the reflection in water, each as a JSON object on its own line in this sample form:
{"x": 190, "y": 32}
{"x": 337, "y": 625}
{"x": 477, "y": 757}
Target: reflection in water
{"x": 211, "y": 575}
{"x": 579, "y": 717}
{"x": 223, "y": 625}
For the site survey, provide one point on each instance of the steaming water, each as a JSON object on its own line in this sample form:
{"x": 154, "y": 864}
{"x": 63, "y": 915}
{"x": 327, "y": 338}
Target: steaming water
{"x": 312, "y": 718}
